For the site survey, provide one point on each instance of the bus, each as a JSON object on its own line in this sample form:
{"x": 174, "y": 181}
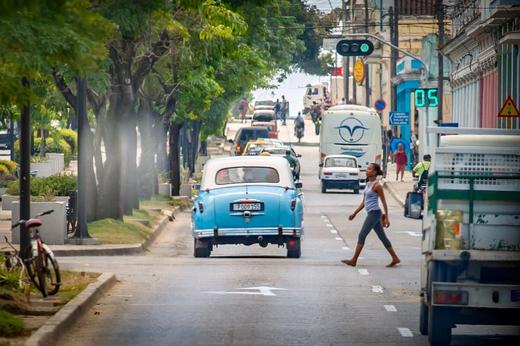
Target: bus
{"x": 352, "y": 130}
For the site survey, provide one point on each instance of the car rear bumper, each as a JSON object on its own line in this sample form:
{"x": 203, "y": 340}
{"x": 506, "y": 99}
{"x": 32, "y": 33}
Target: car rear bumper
{"x": 340, "y": 184}
{"x": 247, "y": 232}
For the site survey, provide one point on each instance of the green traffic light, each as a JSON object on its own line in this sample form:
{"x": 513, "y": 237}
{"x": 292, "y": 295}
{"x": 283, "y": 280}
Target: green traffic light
{"x": 364, "y": 48}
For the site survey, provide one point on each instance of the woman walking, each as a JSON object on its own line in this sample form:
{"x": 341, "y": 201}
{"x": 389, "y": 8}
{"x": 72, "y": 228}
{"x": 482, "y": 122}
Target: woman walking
{"x": 375, "y": 219}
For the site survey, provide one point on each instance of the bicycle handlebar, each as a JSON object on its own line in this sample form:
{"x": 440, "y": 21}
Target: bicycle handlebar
{"x": 35, "y": 216}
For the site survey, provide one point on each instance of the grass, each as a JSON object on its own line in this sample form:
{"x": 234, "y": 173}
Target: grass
{"x": 137, "y": 227}
{"x": 73, "y": 283}
{"x": 10, "y": 325}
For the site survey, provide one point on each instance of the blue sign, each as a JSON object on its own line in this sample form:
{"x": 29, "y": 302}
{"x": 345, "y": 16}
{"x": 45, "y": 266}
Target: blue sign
{"x": 399, "y": 118}
{"x": 380, "y": 105}
{"x": 351, "y": 130}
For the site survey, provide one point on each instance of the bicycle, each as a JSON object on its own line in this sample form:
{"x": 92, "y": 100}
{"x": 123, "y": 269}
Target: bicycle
{"x": 38, "y": 258}
{"x": 12, "y": 262}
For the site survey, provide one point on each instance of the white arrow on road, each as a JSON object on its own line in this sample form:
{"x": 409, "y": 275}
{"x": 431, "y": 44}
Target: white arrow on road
{"x": 263, "y": 291}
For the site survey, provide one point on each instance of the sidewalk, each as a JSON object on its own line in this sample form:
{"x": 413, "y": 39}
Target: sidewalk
{"x": 398, "y": 189}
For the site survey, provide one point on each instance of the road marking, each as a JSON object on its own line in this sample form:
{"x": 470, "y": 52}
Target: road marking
{"x": 345, "y": 248}
{"x": 405, "y": 332}
{"x": 377, "y": 289}
{"x": 390, "y": 308}
{"x": 263, "y": 291}
{"x": 363, "y": 271}
{"x": 329, "y": 225}
{"x": 338, "y": 238}
{"x": 412, "y": 234}
{"x": 333, "y": 231}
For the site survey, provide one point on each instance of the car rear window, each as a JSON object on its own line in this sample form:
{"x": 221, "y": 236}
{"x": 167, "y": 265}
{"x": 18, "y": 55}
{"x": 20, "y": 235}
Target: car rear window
{"x": 250, "y": 134}
{"x": 241, "y": 175}
{"x": 340, "y": 162}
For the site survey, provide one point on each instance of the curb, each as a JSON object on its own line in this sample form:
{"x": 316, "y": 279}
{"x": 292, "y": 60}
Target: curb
{"x": 394, "y": 193}
{"x": 62, "y": 321}
{"x": 130, "y": 249}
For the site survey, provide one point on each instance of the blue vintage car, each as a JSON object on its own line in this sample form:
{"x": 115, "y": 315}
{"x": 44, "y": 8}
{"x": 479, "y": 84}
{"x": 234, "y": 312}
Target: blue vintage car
{"x": 248, "y": 200}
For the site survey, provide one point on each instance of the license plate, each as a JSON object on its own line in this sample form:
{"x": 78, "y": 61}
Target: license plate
{"x": 257, "y": 206}
{"x": 341, "y": 175}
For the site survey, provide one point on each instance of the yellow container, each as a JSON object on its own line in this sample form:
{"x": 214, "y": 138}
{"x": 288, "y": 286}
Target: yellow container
{"x": 449, "y": 227}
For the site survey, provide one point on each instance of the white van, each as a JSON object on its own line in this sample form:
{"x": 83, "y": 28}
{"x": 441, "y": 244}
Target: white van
{"x": 352, "y": 130}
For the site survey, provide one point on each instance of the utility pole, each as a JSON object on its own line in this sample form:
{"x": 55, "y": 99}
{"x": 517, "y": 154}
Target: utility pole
{"x": 367, "y": 67}
{"x": 440, "y": 59}
{"x": 394, "y": 38}
{"x": 345, "y": 59}
{"x": 25, "y": 174}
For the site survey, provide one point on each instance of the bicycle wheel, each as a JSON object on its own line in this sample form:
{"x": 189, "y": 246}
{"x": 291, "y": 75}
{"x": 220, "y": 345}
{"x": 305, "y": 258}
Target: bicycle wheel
{"x": 34, "y": 266}
{"x": 52, "y": 272}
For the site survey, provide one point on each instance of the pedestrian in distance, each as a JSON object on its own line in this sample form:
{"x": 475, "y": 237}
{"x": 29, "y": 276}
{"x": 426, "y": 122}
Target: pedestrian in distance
{"x": 375, "y": 219}
{"x": 400, "y": 160}
{"x": 277, "y": 107}
{"x": 299, "y": 127}
{"x": 283, "y": 110}
{"x": 421, "y": 170}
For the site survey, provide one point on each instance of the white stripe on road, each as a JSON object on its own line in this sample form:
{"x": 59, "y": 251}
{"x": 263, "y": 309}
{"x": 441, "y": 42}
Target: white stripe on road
{"x": 333, "y": 231}
{"x": 412, "y": 234}
{"x": 345, "y": 248}
{"x": 338, "y": 238}
{"x": 377, "y": 289}
{"x": 405, "y": 332}
{"x": 390, "y": 308}
{"x": 329, "y": 225}
{"x": 363, "y": 271}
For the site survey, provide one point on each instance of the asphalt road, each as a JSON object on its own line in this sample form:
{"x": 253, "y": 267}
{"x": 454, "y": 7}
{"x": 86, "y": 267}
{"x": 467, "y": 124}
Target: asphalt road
{"x": 256, "y": 296}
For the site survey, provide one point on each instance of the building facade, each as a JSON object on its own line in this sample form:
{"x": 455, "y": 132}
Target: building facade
{"x": 485, "y": 61}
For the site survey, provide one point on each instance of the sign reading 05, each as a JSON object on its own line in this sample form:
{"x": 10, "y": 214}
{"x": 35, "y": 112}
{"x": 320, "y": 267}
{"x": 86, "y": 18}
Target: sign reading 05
{"x": 426, "y": 97}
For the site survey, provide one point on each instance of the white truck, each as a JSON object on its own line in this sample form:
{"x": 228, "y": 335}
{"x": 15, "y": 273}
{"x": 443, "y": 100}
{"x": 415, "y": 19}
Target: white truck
{"x": 470, "y": 270}
{"x": 352, "y": 130}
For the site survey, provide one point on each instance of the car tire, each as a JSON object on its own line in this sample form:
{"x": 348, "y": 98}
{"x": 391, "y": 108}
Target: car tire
{"x": 323, "y": 188}
{"x": 201, "y": 248}
{"x": 295, "y": 250}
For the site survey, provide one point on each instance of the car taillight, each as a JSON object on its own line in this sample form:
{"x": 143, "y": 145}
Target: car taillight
{"x": 327, "y": 173}
{"x": 201, "y": 207}
{"x": 293, "y": 204}
{"x": 450, "y": 297}
{"x": 353, "y": 174}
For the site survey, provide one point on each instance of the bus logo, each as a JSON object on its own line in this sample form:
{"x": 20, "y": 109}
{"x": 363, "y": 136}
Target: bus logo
{"x": 351, "y": 130}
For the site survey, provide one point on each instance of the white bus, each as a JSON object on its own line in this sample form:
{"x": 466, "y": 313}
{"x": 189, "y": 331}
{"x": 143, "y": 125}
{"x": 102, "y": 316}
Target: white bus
{"x": 352, "y": 130}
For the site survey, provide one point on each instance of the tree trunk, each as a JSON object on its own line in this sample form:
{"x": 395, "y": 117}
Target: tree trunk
{"x": 146, "y": 171}
{"x": 173, "y": 142}
{"x": 91, "y": 202}
{"x": 194, "y": 145}
{"x": 129, "y": 150}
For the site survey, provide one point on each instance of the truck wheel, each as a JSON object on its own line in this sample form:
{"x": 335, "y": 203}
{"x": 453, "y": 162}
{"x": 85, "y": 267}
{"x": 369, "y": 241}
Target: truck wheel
{"x": 294, "y": 250}
{"x": 323, "y": 188}
{"x": 439, "y": 326}
{"x": 201, "y": 248}
{"x": 423, "y": 318}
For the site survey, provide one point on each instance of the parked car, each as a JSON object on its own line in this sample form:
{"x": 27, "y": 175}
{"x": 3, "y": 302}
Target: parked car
{"x": 339, "y": 172}
{"x": 264, "y": 115}
{"x": 246, "y": 134}
{"x": 271, "y": 126}
{"x": 248, "y": 200}
{"x": 253, "y": 148}
{"x": 284, "y": 151}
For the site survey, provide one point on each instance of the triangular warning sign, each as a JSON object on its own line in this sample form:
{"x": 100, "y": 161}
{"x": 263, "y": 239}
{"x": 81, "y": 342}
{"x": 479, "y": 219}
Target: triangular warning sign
{"x": 509, "y": 109}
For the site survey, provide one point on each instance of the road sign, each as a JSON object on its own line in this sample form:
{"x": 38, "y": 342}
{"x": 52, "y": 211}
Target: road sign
{"x": 359, "y": 71}
{"x": 426, "y": 97}
{"x": 509, "y": 109}
{"x": 354, "y": 47}
{"x": 380, "y": 105}
{"x": 399, "y": 118}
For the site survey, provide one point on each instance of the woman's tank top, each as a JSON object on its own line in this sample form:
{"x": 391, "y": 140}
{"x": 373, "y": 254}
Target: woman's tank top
{"x": 371, "y": 198}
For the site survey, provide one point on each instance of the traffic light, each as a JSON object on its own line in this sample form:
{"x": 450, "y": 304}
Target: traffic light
{"x": 354, "y": 47}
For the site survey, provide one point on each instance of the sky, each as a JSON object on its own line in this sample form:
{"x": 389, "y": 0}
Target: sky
{"x": 293, "y": 88}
